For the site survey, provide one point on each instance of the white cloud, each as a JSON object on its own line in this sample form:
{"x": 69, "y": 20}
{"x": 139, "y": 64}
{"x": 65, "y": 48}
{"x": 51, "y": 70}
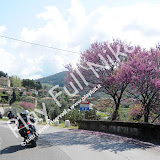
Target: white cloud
{"x": 2, "y": 29}
{"x": 2, "y": 40}
{"x": 141, "y": 20}
{"x": 7, "y": 61}
{"x": 138, "y": 23}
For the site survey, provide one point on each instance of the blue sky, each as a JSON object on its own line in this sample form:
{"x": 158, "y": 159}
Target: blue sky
{"x": 70, "y": 25}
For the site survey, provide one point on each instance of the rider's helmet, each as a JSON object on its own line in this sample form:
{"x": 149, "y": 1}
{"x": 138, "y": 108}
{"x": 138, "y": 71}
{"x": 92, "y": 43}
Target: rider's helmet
{"x": 26, "y": 112}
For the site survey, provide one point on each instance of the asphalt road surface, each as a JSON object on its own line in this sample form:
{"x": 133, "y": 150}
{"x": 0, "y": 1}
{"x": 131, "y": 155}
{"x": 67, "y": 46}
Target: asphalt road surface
{"x": 66, "y": 144}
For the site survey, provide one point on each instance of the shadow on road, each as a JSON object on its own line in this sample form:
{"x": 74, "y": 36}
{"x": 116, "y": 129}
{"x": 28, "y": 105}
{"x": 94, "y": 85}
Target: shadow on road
{"x": 95, "y": 140}
{"x": 12, "y": 149}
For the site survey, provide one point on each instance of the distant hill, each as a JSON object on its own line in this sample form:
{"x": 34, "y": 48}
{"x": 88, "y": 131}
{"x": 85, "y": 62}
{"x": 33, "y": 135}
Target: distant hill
{"x": 56, "y": 79}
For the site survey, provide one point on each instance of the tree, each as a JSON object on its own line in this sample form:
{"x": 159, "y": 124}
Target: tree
{"x": 2, "y": 74}
{"x": 13, "y": 99}
{"x": 31, "y": 84}
{"x": 38, "y": 85}
{"x": 28, "y": 83}
{"x": 15, "y": 81}
{"x": 136, "y": 112}
{"x": 99, "y": 65}
{"x": 27, "y": 105}
{"x": 145, "y": 84}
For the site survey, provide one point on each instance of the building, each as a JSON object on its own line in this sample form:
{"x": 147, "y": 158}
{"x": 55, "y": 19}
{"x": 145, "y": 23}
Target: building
{"x": 34, "y": 91}
{"x": 5, "y": 82}
{"x": 43, "y": 91}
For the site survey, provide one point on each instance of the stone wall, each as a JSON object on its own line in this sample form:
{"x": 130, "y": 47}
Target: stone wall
{"x": 143, "y": 131}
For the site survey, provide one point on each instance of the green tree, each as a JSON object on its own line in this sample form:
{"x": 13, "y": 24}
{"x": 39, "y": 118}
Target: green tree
{"x": 31, "y": 84}
{"x": 15, "y": 81}
{"x": 28, "y": 83}
{"x": 38, "y": 85}
{"x": 2, "y": 74}
{"x": 13, "y": 99}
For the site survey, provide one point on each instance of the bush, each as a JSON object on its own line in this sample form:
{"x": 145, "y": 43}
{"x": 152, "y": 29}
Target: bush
{"x": 27, "y": 99}
{"x": 91, "y": 115}
{"x": 74, "y": 116}
{"x": 34, "y": 95}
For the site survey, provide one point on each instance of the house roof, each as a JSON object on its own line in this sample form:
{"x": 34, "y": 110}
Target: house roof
{"x": 47, "y": 98}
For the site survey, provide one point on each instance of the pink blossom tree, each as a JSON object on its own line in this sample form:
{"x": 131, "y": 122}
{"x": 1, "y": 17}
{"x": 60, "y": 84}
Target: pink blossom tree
{"x": 145, "y": 83}
{"x": 114, "y": 76}
{"x": 26, "y": 105}
{"x": 136, "y": 112}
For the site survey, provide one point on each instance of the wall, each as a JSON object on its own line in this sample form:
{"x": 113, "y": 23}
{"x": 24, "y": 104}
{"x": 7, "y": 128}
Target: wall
{"x": 143, "y": 131}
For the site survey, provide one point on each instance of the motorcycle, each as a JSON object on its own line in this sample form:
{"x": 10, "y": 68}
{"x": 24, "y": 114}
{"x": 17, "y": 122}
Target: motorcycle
{"x": 12, "y": 118}
{"x": 29, "y": 134}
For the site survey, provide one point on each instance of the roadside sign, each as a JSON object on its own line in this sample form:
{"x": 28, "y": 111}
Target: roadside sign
{"x": 84, "y": 108}
{"x": 84, "y": 105}
{"x": 86, "y": 101}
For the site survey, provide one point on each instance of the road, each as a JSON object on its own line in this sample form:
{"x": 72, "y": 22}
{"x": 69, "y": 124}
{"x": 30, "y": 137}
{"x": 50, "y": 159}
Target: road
{"x": 66, "y": 144}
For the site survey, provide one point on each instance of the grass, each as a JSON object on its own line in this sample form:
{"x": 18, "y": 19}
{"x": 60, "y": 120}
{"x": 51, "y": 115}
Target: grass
{"x": 3, "y": 119}
{"x": 102, "y": 114}
{"x": 62, "y": 125}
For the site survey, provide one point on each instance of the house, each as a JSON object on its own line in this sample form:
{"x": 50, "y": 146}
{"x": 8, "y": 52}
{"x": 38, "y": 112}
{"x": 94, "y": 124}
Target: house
{"x": 92, "y": 99}
{"x": 34, "y": 91}
{"x": 34, "y": 101}
{"x": 7, "y": 91}
{"x": 44, "y": 91}
{"x": 5, "y": 82}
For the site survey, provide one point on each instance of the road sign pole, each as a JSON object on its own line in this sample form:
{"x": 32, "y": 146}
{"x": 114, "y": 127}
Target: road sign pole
{"x": 84, "y": 114}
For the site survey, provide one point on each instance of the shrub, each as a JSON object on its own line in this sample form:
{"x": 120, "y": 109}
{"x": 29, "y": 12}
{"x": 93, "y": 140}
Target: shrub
{"x": 27, "y": 99}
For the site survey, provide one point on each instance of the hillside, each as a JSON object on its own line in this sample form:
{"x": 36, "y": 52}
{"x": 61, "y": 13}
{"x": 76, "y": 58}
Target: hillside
{"x": 56, "y": 79}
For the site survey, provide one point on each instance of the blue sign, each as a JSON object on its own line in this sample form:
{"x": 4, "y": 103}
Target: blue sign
{"x": 84, "y": 108}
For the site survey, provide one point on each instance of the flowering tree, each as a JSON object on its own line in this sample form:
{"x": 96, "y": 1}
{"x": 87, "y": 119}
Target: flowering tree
{"x": 136, "y": 112}
{"x": 117, "y": 69}
{"x": 102, "y": 64}
{"x": 102, "y": 104}
{"x": 26, "y": 105}
{"x": 145, "y": 83}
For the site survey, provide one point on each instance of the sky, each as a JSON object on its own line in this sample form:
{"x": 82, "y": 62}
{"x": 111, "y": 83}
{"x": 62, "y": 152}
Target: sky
{"x": 69, "y": 25}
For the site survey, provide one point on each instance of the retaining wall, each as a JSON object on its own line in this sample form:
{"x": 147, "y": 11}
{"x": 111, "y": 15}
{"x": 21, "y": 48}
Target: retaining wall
{"x": 144, "y": 131}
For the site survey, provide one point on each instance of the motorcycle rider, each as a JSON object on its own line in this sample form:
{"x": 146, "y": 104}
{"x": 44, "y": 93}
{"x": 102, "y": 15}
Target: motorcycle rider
{"x": 10, "y": 114}
{"x": 26, "y": 118}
